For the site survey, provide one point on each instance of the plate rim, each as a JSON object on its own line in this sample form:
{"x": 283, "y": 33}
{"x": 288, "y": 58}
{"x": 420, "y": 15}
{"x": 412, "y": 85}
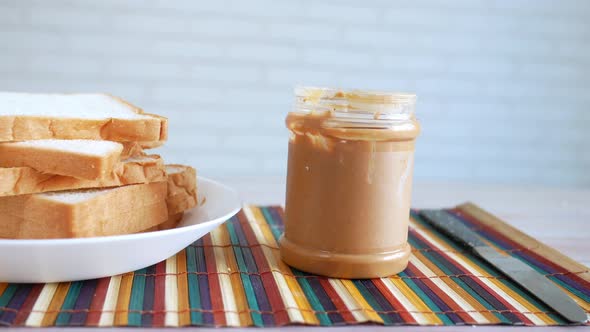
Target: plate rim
{"x": 134, "y": 236}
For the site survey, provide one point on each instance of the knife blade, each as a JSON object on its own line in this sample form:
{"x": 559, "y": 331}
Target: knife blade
{"x": 515, "y": 269}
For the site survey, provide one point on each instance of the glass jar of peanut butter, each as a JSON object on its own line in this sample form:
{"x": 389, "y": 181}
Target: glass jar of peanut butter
{"x": 349, "y": 182}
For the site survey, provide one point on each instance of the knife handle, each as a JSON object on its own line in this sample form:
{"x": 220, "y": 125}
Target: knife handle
{"x": 453, "y": 227}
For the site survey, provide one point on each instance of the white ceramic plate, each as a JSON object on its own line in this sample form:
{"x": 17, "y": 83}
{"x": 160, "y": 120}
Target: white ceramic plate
{"x": 88, "y": 258}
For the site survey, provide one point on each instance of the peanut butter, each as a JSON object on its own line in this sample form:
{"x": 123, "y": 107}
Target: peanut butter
{"x": 349, "y": 181}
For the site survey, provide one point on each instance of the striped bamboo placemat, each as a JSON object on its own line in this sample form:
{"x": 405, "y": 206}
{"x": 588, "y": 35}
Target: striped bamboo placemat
{"x": 234, "y": 277}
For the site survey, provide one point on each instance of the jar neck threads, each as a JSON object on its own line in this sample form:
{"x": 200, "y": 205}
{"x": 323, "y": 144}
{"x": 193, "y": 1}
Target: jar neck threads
{"x": 356, "y": 105}
{"x": 354, "y": 115}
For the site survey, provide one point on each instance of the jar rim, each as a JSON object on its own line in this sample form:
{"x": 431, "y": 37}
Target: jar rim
{"x": 321, "y": 94}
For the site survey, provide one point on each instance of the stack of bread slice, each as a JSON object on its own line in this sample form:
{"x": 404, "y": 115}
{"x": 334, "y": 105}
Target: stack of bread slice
{"x": 74, "y": 165}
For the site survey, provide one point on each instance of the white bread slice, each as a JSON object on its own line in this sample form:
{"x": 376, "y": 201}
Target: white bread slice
{"x": 84, "y": 159}
{"x": 26, "y": 180}
{"x": 182, "y": 188}
{"x": 29, "y": 116}
{"x": 84, "y": 213}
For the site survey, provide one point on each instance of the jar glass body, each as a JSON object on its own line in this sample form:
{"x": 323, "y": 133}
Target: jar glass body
{"x": 349, "y": 182}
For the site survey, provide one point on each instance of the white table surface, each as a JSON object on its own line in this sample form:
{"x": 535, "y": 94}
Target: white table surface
{"x": 557, "y": 217}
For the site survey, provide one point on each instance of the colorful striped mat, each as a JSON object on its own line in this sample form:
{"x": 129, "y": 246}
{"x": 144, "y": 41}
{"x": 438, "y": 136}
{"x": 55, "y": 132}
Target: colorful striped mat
{"x": 234, "y": 277}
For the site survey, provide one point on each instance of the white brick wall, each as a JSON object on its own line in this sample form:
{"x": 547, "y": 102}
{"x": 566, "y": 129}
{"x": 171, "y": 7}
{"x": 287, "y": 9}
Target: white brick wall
{"x": 503, "y": 84}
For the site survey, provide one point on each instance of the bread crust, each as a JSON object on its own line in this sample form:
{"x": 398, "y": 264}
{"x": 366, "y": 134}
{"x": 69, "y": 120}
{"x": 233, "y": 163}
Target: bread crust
{"x": 26, "y": 180}
{"x": 181, "y": 196}
{"x": 24, "y": 128}
{"x": 151, "y": 145}
{"x": 132, "y": 149}
{"x": 182, "y": 189}
{"x": 60, "y": 162}
{"x": 172, "y": 222}
{"x": 121, "y": 210}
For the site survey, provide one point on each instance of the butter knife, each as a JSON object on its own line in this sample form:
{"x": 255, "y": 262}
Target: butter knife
{"x": 524, "y": 275}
